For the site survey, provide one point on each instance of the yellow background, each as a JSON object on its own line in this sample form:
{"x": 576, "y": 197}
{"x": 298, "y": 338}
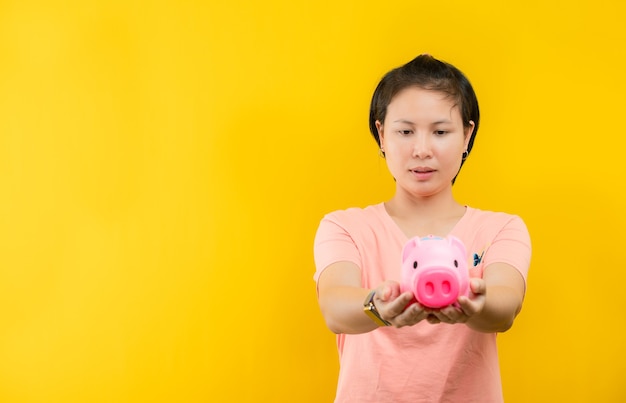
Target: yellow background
{"x": 164, "y": 166}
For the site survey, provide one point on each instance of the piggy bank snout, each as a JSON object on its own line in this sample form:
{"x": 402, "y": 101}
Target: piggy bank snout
{"x": 437, "y": 287}
{"x": 434, "y": 269}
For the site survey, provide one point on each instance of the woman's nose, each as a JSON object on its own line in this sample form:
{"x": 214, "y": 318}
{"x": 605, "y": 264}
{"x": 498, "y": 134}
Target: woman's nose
{"x": 422, "y": 147}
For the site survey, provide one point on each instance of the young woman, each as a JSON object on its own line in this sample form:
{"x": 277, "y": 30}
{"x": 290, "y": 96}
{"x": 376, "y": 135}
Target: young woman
{"x": 424, "y": 116}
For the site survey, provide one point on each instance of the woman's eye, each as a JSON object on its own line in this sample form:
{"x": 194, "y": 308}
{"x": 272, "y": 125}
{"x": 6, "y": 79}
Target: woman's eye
{"x": 405, "y": 132}
{"x": 440, "y": 132}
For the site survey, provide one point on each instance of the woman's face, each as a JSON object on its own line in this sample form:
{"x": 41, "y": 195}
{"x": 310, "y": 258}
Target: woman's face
{"x": 423, "y": 139}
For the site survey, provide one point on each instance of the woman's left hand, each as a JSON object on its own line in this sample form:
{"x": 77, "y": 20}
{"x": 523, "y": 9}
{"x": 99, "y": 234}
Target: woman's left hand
{"x": 467, "y": 306}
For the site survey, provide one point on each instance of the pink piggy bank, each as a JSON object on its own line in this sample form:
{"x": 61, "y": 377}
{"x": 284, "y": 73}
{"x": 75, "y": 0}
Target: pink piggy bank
{"x": 435, "y": 270}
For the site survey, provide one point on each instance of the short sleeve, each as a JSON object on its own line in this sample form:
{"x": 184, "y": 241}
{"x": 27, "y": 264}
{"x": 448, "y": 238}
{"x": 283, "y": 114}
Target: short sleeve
{"x": 511, "y": 246}
{"x": 333, "y": 244}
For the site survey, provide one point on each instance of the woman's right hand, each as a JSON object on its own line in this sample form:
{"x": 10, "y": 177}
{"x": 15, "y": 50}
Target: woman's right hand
{"x": 391, "y": 304}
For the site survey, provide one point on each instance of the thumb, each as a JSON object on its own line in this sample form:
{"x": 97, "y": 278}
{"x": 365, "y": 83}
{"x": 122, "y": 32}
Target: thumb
{"x": 384, "y": 292}
{"x": 477, "y": 286}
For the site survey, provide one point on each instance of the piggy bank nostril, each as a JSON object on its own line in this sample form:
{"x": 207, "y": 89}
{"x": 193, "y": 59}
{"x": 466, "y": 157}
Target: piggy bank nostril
{"x": 456, "y": 263}
{"x": 446, "y": 287}
{"x": 415, "y": 264}
{"x": 429, "y": 289}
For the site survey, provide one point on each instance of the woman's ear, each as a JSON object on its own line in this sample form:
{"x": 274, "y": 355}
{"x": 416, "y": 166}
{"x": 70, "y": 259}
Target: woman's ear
{"x": 468, "y": 132}
{"x": 379, "y": 129}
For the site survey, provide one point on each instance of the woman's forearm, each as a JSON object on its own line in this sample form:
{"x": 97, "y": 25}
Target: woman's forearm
{"x": 501, "y": 307}
{"x": 342, "y": 308}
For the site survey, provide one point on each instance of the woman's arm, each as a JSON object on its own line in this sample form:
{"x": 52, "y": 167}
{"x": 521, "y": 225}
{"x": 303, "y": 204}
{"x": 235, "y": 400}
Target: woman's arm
{"x": 341, "y": 299}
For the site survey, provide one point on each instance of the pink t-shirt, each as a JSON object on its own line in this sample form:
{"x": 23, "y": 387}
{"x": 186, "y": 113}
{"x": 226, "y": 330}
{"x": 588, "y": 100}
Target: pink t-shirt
{"x": 421, "y": 363}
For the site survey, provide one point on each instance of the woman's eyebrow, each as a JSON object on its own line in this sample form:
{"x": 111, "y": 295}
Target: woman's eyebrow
{"x": 437, "y": 122}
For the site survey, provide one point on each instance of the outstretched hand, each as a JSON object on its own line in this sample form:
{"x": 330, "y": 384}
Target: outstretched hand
{"x": 393, "y": 305}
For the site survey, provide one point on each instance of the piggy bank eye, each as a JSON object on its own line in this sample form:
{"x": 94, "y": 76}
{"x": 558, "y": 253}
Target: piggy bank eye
{"x": 415, "y": 264}
{"x": 456, "y": 264}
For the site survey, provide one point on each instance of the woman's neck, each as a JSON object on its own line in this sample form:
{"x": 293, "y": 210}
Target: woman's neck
{"x": 419, "y": 216}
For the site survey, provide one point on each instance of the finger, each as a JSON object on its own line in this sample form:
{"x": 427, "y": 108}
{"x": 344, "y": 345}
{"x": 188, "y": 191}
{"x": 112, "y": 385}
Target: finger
{"x": 443, "y": 318}
{"x": 458, "y": 315}
{"x": 383, "y": 294}
{"x": 399, "y": 305}
{"x": 471, "y": 306}
{"x": 478, "y": 286}
{"x": 451, "y": 314}
{"x": 410, "y": 316}
{"x": 388, "y": 291}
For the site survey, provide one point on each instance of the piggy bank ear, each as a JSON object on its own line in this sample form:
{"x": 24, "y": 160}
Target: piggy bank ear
{"x": 457, "y": 244}
{"x": 408, "y": 247}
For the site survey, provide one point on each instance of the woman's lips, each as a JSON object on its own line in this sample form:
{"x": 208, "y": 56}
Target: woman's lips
{"x": 422, "y": 169}
{"x": 422, "y": 173}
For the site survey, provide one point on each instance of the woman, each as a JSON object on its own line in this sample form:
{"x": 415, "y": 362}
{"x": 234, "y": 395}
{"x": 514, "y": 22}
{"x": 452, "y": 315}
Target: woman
{"x": 424, "y": 117}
